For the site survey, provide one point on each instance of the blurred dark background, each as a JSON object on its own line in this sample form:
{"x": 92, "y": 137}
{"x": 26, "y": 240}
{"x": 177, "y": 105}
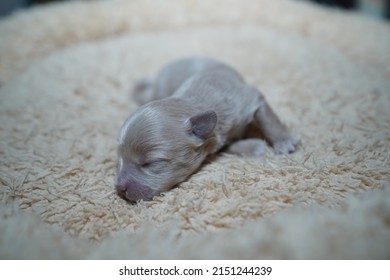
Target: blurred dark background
{"x": 377, "y": 8}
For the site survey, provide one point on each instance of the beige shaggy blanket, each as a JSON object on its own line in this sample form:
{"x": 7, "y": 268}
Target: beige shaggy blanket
{"x": 65, "y": 75}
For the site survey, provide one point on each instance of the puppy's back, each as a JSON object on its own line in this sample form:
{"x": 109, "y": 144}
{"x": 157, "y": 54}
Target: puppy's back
{"x": 175, "y": 74}
{"x": 171, "y": 77}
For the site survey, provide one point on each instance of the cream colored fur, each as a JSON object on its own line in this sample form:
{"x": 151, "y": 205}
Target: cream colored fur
{"x": 64, "y": 94}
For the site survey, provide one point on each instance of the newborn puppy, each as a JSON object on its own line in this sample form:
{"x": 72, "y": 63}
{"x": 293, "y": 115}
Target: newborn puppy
{"x": 198, "y": 106}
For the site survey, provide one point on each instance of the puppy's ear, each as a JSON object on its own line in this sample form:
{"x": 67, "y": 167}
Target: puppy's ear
{"x": 202, "y": 125}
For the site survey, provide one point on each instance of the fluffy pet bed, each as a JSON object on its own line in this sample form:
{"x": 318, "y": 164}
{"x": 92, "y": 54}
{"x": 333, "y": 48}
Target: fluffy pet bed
{"x": 65, "y": 74}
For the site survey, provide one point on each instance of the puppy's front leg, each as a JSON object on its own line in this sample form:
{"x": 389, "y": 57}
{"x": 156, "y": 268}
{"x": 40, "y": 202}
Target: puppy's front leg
{"x": 272, "y": 128}
{"x": 251, "y": 147}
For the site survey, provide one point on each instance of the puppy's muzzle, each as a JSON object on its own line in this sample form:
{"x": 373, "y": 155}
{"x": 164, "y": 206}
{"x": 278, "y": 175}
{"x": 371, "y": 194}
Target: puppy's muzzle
{"x": 133, "y": 190}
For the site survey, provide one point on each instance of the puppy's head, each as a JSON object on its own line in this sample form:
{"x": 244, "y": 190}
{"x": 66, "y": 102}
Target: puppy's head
{"x": 160, "y": 145}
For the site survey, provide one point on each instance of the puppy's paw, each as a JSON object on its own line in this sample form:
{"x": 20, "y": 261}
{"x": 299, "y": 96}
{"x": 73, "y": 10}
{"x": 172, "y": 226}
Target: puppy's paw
{"x": 248, "y": 147}
{"x": 287, "y": 145}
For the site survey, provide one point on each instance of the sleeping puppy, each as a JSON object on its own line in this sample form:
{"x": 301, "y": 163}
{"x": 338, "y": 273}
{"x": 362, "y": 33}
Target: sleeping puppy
{"x": 194, "y": 108}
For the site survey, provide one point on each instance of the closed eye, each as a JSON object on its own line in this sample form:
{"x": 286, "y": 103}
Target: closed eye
{"x": 146, "y": 164}
{"x": 154, "y": 166}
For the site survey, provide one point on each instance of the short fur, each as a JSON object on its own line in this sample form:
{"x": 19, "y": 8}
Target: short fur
{"x": 198, "y": 106}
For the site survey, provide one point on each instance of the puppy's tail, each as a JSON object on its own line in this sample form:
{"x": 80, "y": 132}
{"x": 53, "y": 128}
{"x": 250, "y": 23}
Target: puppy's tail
{"x": 143, "y": 91}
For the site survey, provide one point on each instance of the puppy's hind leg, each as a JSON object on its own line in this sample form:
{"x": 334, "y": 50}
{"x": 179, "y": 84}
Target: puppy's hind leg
{"x": 143, "y": 91}
{"x": 272, "y": 128}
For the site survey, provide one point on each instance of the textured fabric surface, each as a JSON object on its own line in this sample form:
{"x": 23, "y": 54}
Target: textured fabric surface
{"x": 65, "y": 93}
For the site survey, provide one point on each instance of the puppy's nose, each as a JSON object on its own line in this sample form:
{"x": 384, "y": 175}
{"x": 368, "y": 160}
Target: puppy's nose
{"x": 134, "y": 191}
{"x": 120, "y": 188}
